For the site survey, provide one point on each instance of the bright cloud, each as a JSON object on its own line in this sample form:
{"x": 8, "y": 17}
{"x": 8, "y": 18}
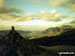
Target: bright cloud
{"x": 52, "y": 15}
{"x": 42, "y": 22}
{"x": 34, "y": 25}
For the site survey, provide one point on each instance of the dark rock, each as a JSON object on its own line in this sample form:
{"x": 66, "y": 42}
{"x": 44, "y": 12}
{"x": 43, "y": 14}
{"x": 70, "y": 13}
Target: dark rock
{"x": 13, "y": 44}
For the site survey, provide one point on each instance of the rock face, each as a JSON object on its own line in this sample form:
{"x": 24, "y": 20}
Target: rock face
{"x": 13, "y": 44}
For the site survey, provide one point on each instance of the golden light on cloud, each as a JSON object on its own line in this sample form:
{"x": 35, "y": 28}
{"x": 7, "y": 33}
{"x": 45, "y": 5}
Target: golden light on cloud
{"x": 56, "y": 3}
{"x": 1, "y": 3}
{"x": 34, "y": 25}
{"x": 52, "y": 15}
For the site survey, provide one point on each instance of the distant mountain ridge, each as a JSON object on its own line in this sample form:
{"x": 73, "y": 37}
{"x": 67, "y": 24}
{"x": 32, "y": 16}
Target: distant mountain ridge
{"x": 57, "y": 30}
{"x": 54, "y": 31}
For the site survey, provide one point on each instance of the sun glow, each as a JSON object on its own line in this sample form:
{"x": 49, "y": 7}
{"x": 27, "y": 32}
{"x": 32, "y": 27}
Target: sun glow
{"x": 37, "y": 23}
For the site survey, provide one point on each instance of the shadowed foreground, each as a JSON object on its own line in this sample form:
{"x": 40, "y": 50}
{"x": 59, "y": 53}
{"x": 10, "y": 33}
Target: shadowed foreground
{"x": 13, "y": 44}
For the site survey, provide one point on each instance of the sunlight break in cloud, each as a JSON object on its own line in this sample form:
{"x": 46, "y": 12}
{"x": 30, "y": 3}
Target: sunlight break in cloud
{"x": 41, "y": 22}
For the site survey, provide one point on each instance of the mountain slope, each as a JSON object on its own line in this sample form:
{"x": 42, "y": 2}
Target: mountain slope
{"x": 13, "y": 44}
{"x": 66, "y": 38}
{"x": 54, "y": 31}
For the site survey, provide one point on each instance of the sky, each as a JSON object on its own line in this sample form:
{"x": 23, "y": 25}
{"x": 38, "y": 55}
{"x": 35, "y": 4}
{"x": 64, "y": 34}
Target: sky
{"x": 31, "y": 6}
{"x": 38, "y": 14}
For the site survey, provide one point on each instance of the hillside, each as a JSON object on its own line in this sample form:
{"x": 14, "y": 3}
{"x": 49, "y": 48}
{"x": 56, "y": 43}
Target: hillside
{"x": 66, "y": 38}
{"x": 13, "y": 44}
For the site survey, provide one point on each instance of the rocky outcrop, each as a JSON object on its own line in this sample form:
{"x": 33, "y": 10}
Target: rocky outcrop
{"x": 13, "y": 44}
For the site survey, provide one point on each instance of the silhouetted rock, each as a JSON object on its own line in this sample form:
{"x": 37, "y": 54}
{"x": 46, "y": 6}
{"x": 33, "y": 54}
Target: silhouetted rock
{"x": 13, "y": 28}
{"x": 13, "y": 44}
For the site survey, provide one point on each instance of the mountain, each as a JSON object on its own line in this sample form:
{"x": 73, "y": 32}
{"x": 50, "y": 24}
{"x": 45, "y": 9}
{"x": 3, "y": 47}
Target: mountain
{"x": 54, "y": 31}
{"x": 13, "y": 44}
{"x": 57, "y": 30}
{"x": 73, "y": 22}
{"x": 66, "y": 38}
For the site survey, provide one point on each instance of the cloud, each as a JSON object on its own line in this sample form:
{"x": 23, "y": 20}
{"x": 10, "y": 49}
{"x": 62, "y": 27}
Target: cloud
{"x": 5, "y": 9}
{"x": 14, "y": 18}
{"x": 53, "y": 3}
{"x": 7, "y": 17}
{"x": 9, "y": 10}
{"x": 7, "y": 13}
{"x": 1, "y": 3}
{"x": 70, "y": 4}
{"x": 57, "y": 3}
{"x": 52, "y": 15}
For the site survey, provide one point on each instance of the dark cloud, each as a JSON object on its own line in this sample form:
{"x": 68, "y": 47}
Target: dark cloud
{"x": 9, "y": 10}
